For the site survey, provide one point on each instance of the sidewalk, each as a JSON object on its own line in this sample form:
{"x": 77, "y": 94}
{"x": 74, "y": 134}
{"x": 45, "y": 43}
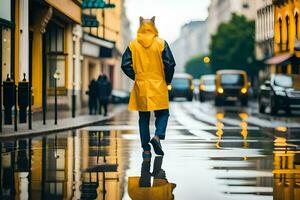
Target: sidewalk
{"x": 64, "y": 123}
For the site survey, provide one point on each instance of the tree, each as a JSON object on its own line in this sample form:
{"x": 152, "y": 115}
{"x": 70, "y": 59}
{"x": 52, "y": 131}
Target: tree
{"x": 196, "y": 67}
{"x": 232, "y": 47}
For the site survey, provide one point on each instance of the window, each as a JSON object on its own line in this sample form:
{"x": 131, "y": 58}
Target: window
{"x": 280, "y": 33}
{"x": 56, "y": 57}
{"x": 287, "y": 21}
{"x": 296, "y": 23}
{"x": 5, "y": 51}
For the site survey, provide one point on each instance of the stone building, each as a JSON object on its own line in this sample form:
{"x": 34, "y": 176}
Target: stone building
{"x": 193, "y": 40}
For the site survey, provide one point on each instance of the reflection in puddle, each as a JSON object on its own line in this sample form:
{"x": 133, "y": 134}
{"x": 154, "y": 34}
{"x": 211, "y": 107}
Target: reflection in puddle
{"x": 64, "y": 166}
{"x": 220, "y": 126}
{"x": 286, "y": 170}
{"x": 140, "y": 188}
{"x": 237, "y": 164}
{"x": 244, "y": 126}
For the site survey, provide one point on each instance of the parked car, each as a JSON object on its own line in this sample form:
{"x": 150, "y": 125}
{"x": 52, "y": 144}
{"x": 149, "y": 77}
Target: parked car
{"x": 207, "y": 87}
{"x": 119, "y": 96}
{"x": 282, "y": 91}
{"x": 231, "y": 85}
{"x": 181, "y": 86}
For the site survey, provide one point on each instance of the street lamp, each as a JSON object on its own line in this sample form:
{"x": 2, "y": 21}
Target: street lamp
{"x": 56, "y": 77}
{"x": 206, "y": 60}
{"x": 73, "y": 100}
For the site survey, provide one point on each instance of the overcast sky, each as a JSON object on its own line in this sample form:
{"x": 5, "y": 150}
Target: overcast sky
{"x": 170, "y": 14}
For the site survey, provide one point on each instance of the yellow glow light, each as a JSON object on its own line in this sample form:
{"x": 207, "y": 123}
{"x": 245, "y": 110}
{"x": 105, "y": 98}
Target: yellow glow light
{"x": 220, "y": 90}
{"x": 169, "y": 87}
{"x": 206, "y": 60}
{"x": 244, "y": 90}
{"x": 202, "y": 87}
{"x": 192, "y": 87}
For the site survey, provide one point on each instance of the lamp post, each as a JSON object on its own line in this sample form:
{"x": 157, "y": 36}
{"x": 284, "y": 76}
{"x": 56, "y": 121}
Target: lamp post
{"x": 73, "y": 101}
{"x": 56, "y": 77}
{"x": 206, "y": 60}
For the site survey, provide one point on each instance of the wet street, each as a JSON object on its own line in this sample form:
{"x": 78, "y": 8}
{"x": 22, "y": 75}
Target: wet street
{"x": 210, "y": 153}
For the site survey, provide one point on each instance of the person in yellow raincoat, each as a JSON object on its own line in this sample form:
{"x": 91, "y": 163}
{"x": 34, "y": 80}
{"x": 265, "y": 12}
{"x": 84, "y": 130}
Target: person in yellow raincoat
{"x": 139, "y": 188}
{"x": 149, "y": 62}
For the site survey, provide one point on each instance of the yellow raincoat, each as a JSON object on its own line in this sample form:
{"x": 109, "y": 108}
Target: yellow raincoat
{"x": 150, "y": 90}
{"x": 161, "y": 190}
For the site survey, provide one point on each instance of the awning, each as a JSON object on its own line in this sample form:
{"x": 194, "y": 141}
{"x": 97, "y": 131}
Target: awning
{"x": 279, "y": 59}
{"x": 99, "y": 41}
{"x": 97, "y": 47}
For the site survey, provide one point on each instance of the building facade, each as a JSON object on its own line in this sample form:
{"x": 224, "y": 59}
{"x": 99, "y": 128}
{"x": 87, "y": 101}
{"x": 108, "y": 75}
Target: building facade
{"x": 286, "y": 37}
{"x": 264, "y": 33}
{"x": 193, "y": 40}
{"x": 47, "y": 41}
{"x": 220, "y": 11}
{"x": 103, "y": 46}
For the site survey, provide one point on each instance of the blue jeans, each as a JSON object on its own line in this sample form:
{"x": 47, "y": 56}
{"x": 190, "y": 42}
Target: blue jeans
{"x": 161, "y": 122}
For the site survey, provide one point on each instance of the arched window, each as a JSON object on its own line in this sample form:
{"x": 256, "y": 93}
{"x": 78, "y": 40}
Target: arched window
{"x": 280, "y": 33}
{"x": 297, "y": 23}
{"x": 287, "y": 21}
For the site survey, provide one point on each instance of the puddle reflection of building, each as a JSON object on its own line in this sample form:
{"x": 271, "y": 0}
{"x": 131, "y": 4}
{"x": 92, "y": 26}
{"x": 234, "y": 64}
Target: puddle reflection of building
{"x": 101, "y": 171}
{"x": 15, "y": 176}
{"x": 140, "y": 188}
{"x": 57, "y": 166}
{"x": 286, "y": 170}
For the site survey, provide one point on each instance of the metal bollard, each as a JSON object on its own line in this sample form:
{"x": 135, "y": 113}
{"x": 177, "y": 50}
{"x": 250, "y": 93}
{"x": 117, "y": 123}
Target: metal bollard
{"x": 9, "y": 90}
{"x": 23, "y": 99}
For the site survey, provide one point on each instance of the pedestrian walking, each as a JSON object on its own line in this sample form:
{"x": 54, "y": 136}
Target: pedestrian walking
{"x": 104, "y": 92}
{"x": 149, "y": 62}
{"x": 93, "y": 95}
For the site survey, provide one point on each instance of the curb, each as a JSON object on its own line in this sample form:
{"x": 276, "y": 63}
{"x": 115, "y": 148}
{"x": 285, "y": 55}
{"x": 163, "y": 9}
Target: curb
{"x": 47, "y": 131}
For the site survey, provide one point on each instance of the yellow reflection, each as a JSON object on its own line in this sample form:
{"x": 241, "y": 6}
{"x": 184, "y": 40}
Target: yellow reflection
{"x": 244, "y": 127}
{"x": 140, "y": 187}
{"x": 286, "y": 171}
{"x": 219, "y": 134}
{"x": 280, "y": 141}
{"x": 243, "y": 116}
{"x": 220, "y": 115}
{"x": 282, "y": 129}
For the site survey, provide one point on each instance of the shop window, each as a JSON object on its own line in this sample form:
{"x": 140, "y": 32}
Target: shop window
{"x": 5, "y": 51}
{"x": 56, "y": 58}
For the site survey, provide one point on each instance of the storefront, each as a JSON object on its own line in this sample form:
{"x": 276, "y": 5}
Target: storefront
{"x": 56, "y": 56}
{"x": 55, "y": 50}
{"x": 95, "y": 50}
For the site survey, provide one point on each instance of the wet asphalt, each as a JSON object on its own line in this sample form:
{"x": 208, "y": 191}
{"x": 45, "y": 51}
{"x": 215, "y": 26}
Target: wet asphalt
{"x": 210, "y": 153}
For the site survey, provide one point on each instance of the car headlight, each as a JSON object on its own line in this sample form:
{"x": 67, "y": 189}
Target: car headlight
{"x": 202, "y": 87}
{"x": 220, "y": 90}
{"x": 244, "y": 90}
{"x": 280, "y": 93}
{"x": 169, "y": 87}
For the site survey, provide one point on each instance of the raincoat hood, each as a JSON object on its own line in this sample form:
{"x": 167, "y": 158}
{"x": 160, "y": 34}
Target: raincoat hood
{"x": 146, "y": 34}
